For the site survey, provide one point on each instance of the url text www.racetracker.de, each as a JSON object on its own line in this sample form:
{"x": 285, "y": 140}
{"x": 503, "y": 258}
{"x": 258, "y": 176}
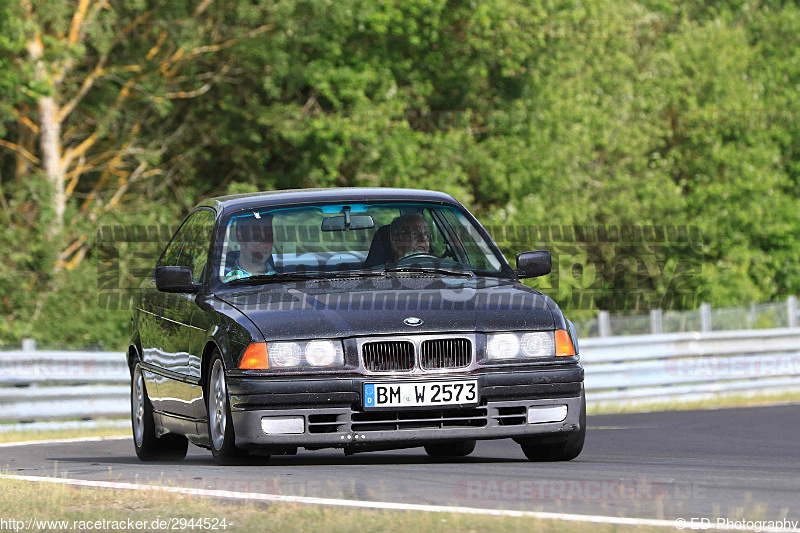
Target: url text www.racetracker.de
{"x": 35, "y": 524}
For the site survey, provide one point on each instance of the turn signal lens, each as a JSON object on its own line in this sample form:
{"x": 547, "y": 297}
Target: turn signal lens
{"x": 564, "y": 346}
{"x": 255, "y": 357}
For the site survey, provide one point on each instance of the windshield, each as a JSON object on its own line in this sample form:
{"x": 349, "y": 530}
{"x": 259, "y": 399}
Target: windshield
{"x": 326, "y": 239}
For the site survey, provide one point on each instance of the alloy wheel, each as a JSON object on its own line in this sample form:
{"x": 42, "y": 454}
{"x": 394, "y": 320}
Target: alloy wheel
{"x": 218, "y": 405}
{"x": 137, "y": 399}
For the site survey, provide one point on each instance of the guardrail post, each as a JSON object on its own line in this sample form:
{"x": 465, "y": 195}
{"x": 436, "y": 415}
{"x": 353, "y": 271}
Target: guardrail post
{"x": 656, "y": 321}
{"x": 28, "y": 345}
{"x": 705, "y": 317}
{"x": 603, "y": 324}
{"x": 791, "y": 303}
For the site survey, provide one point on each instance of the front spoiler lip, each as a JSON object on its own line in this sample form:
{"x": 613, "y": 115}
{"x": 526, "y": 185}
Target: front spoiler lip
{"x": 249, "y": 434}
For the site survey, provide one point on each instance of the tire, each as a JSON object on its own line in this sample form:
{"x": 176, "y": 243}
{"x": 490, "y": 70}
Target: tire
{"x": 222, "y": 438}
{"x": 450, "y": 449}
{"x": 565, "y": 450}
{"x": 148, "y": 446}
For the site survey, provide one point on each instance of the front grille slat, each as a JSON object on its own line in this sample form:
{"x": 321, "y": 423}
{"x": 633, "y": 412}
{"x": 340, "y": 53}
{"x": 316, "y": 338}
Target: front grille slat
{"x": 445, "y": 353}
{"x": 388, "y": 356}
{"x": 511, "y": 416}
{"x": 403, "y": 355}
{"x": 435, "y": 419}
{"x": 325, "y": 423}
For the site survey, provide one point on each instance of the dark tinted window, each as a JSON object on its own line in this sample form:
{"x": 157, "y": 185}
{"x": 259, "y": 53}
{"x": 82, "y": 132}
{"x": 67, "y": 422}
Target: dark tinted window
{"x": 198, "y": 237}
{"x": 173, "y": 251}
{"x": 189, "y": 245}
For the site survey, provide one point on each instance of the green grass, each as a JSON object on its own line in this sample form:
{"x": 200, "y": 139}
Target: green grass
{"x": 717, "y": 402}
{"x": 32, "y": 435}
{"x": 22, "y": 500}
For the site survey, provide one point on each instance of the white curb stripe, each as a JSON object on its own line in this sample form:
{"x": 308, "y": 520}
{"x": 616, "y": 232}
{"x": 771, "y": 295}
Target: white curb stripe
{"x": 255, "y": 496}
{"x": 59, "y": 441}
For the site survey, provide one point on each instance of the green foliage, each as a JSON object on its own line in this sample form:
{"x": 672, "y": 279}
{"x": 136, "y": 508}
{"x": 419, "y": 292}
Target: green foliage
{"x": 532, "y": 113}
{"x": 12, "y": 43}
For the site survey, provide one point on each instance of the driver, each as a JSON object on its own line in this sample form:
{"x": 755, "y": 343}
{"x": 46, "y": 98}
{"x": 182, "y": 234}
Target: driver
{"x": 409, "y": 234}
{"x": 255, "y": 238}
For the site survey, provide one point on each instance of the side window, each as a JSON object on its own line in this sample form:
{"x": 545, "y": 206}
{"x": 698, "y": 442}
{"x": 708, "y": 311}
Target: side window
{"x": 198, "y": 239}
{"x": 174, "y": 248}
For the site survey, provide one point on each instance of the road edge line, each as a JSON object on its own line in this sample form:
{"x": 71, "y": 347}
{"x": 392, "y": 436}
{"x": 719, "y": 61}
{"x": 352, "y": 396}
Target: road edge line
{"x": 255, "y": 496}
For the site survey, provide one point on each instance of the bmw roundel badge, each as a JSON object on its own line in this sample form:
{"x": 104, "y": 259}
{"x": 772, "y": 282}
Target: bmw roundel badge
{"x": 412, "y": 321}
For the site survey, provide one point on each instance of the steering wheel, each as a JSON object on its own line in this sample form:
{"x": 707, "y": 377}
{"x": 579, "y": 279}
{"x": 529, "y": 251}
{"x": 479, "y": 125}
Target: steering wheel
{"x": 410, "y": 258}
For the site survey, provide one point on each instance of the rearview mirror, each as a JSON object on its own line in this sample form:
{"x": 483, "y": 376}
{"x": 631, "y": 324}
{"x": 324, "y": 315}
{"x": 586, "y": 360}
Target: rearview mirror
{"x": 347, "y": 222}
{"x": 533, "y": 264}
{"x": 175, "y": 279}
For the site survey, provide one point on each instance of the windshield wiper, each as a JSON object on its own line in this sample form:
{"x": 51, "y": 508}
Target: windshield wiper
{"x": 430, "y": 270}
{"x": 268, "y": 278}
{"x": 300, "y": 276}
{"x": 358, "y": 273}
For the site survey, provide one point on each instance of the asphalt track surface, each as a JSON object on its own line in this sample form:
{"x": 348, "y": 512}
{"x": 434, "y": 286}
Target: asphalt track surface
{"x": 734, "y": 463}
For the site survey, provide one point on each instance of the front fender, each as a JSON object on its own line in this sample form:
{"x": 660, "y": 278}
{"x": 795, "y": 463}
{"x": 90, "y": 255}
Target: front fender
{"x": 229, "y": 330}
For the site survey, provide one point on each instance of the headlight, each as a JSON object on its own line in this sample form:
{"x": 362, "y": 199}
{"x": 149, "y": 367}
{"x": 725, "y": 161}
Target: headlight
{"x": 284, "y": 354}
{"x": 316, "y": 353}
{"x": 320, "y": 353}
{"x": 539, "y": 344}
{"x": 500, "y": 346}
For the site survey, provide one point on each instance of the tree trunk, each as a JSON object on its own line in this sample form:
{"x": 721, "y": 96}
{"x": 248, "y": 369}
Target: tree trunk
{"x": 49, "y": 139}
{"x": 50, "y": 145}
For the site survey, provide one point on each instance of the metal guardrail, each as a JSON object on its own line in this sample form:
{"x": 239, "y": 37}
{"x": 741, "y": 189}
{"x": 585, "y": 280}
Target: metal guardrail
{"x": 63, "y": 385}
{"x": 50, "y": 385}
{"x": 689, "y": 365}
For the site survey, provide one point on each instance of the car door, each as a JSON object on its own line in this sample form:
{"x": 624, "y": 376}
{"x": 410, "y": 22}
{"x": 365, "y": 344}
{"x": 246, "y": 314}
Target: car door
{"x": 182, "y": 340}
{"x": 195, "y": 255}
{"x": 154, "y": 331}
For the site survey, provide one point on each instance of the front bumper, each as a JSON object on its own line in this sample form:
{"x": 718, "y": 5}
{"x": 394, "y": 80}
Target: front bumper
{"x": 333, "y": 414}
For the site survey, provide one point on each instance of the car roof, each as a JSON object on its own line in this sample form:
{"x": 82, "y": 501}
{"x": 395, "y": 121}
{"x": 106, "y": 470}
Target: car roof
{"x": 236, "y": 202}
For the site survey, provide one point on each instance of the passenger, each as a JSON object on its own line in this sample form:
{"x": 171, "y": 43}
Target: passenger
{"x": 409, "y": 234}
{"x": 255, "y": 238}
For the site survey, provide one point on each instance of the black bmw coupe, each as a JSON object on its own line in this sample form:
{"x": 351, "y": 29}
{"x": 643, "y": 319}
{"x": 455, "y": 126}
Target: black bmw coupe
{"x": 361, "y": 319}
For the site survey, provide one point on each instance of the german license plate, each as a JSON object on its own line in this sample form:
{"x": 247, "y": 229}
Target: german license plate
{"x": 420, "y": 394}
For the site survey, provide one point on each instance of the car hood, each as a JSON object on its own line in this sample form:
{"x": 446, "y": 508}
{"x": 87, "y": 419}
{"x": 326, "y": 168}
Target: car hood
{"x": 379, "y": 306}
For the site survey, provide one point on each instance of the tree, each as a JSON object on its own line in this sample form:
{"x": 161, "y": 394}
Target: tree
{"x": 94, "y": 78}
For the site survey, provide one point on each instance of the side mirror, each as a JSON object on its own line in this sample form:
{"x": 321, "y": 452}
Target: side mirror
{"x": 532, "y": 264}
{"x": 175, "y": 279}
